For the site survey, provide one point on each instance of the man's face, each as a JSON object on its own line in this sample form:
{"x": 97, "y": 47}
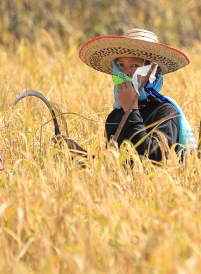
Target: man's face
{"x": 128, "y": 65}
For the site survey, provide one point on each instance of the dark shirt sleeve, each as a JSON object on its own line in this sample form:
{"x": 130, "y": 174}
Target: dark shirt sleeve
{"x": 134, "y": 130}
{"x": 153, "y": 143}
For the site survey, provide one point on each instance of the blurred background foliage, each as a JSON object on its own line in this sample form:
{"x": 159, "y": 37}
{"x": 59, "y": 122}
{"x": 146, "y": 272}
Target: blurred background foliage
{"x": 66, "y": 21}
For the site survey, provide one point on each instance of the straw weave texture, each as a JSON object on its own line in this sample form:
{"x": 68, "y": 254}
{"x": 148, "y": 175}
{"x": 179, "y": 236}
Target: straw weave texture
{"x": 99, "y": 53}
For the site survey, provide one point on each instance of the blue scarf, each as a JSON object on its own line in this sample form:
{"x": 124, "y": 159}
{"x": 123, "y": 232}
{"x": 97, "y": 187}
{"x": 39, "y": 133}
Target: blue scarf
{"x": 151, "y": 91}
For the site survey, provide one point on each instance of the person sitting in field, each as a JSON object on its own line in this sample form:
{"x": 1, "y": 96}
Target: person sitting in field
{"x": 127, "y": 58}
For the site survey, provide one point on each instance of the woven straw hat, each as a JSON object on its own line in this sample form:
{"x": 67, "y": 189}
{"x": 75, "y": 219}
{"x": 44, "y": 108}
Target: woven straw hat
{"x": 99, "y": 52}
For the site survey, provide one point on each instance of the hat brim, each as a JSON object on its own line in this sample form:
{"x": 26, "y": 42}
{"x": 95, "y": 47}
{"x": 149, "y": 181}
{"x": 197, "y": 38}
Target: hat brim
{"x": 99, "y": 53}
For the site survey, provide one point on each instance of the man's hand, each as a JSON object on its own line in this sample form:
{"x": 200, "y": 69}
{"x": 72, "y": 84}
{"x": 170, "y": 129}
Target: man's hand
{"x": 126, "y": 93}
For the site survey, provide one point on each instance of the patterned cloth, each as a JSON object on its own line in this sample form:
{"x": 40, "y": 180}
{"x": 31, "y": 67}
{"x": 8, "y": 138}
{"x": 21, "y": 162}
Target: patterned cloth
{"x": 151, "y": 92}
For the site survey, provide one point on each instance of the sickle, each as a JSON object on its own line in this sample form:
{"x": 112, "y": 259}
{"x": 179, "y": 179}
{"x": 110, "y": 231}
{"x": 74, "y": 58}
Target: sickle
{"x": 70, "y": 142}
{"x": 40, "y": 96}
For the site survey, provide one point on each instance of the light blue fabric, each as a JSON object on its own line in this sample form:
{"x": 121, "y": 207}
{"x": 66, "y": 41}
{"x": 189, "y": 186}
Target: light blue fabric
{"x": 186, "y": 135}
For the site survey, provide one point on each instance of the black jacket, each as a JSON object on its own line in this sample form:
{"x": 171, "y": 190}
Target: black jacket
{"x": 139, "y": 119}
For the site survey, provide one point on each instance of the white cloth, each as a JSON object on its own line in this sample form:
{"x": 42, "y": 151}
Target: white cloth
{"x": 142, "y": 71}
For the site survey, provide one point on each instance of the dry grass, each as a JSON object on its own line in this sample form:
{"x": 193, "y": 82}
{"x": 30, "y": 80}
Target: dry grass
{"x": 57, "y": 217}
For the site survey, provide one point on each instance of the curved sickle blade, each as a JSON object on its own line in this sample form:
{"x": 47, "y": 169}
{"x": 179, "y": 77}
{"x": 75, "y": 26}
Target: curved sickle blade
{"x": 40, "y": 96}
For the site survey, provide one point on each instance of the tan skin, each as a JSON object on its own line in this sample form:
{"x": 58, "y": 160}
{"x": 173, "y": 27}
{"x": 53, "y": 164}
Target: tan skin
{"x": 126, "y": 91}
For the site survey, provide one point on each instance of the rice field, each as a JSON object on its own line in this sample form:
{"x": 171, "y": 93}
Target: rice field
{"x": 57, "y": 217}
